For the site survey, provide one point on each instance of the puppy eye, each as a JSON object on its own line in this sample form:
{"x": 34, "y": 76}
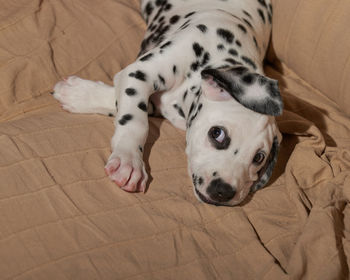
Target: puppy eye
{"x": 259, "y": 158}
{"x": 217, "y": 133}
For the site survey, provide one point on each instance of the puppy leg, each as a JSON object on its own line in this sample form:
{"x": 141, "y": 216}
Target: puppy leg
{"x": 134, "y": 85}
{"x": 83, "y": 96}
{"x": 125, "y": 165}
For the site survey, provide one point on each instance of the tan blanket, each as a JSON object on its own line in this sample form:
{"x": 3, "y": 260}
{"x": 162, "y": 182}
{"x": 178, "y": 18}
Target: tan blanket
{"x": 61, "y": 217}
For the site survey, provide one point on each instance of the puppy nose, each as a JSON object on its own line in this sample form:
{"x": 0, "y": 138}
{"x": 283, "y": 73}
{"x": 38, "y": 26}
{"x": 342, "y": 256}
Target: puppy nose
{"x": 220, "y": 191}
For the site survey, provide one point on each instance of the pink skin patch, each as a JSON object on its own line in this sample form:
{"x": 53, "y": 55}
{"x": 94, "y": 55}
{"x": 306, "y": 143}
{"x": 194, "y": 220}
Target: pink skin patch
{"x": 127, "y": 177}
{"x": 213, "y": 91}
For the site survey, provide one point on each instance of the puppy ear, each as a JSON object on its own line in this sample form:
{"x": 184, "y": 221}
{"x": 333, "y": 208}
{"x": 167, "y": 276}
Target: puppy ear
{"x": 252, "y": 90}
{"x": 266, "y": 171}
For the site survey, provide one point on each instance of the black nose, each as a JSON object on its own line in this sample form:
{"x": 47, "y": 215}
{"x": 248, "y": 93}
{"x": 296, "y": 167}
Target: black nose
{"x": 220, "y": 191}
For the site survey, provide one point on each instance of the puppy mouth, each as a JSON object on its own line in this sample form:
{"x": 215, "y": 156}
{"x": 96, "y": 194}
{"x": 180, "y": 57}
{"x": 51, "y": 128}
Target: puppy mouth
{"x": 207, "y": 200}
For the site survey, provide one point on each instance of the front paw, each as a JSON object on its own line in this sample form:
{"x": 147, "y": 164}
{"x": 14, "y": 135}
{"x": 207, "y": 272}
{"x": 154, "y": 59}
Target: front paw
{"x": 127, "y": 171}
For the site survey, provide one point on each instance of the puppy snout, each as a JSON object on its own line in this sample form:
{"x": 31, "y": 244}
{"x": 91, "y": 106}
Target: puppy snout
{"x": 220, "y": 191}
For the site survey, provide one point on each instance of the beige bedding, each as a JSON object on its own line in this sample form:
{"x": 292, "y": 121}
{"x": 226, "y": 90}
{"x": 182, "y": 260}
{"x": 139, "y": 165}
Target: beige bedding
{"x": 61, "y": 217}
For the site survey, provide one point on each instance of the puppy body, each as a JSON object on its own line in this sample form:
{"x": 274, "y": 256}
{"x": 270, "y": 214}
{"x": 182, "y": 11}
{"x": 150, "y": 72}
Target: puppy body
{"x": 200, "y": 66}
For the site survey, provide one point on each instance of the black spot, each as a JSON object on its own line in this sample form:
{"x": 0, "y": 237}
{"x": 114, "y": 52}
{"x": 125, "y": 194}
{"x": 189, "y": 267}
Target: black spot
{"x": 159, "y": 28}
{"x": 189, "y": 124}
{"x": 194, "y": 66}
{"x": 161, "y": 32}
{"x": 188, "y": 75}
{"x": 191, "y": 108}
{"x": 202, "y": 28}
{"x": 231, "y": 61}
{"x": 261, "y": 14}
{"x": 263, "y": 3}
{"x": 206, "y": 58}
{"x": 198, "y": 50}
{"x": 142, "y": 105}
{"x": 125, "y": 118}
{"x": 269, "y": 16}
{"x": 160, "y": 39}
{"x": 235, "y": 152}
{"x": 174, "y": 19}
{"x": 158, "y": 14}
{"x": 181, "y": 113}
{"x": 233, "y": 52}
{"x": 144, "y": 44}
{"x": 165, "y": 45}
{"x": 198, "y": 92}
{"x": 247, "y": 14}
{"x": 240, "y": 26}
{"x": 157, "y": 33}
{"x": 168, "y": 7}
{"x": 152, "y": 27}
{"x": 138, "y": 75}
{"x": 255, "y": 42}
{"x": 270, "y": 6}
{"x": 161, "y": 19}
{"x": 184, "y": 96}
{"x": 240, "y": 70}
{"x": 189, "y": 14}
{"x": 140, "y": 148}
{"x": 194, "y": 179}
{"x": 193, "y": 88}
{"x": 179, "y": 110}
{"x": 248, "y": 23}
{"x": 110, "y": 115}
{"x": 174, "y": 69}
{"x": 248, "y": 78}
{"x": 248, "y": 61}
{"x": 238, "y": 43}
{"x": 185, "y": 25}
{"x": 220, "y": 47}
{"x": 155, "y": 86}
{"x": 130, "y": 91}
{"x": 161, "y": 79}
{"x": 225, "y": 34}
{"x": 149, "y": 8}
{"x": 223, "y": 66}
{"x": 200, "y": 180}
{"x": 146, "y": 57}
{"x": 160, "y": 2}
{"x": 196, "y": 113}
{"x": 215, "y": 173}
{"x": 116, "y": 103}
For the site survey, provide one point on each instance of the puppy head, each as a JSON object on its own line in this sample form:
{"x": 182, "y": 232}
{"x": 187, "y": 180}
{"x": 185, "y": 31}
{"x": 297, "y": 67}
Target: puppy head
{"x": 232, "y": 144}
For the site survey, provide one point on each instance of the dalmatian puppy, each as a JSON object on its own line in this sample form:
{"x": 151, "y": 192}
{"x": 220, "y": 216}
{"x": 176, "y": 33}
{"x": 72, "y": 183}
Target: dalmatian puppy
{"x": 200, "y": 66}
